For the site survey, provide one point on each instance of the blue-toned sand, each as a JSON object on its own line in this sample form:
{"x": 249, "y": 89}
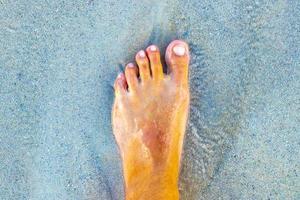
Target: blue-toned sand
{"x": 58, "y": 61}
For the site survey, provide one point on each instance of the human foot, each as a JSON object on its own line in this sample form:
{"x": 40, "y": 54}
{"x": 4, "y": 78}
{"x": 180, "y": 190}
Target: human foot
{"x": 149, "y": 117}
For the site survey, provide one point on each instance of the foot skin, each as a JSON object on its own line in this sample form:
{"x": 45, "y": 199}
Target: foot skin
{"x": 149, "y": 119}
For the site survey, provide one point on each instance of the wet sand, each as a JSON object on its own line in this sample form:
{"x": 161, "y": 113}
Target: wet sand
{"x": 58, "y": 60}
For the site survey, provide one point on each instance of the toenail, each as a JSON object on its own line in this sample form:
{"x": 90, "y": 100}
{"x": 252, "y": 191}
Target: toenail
{"x": 179, "y": 50}
{"x": 130, "y": 65}
{"x": 120, "y": 75}
{"x": 142, "y": 54}
{"x": 153, "y": 48}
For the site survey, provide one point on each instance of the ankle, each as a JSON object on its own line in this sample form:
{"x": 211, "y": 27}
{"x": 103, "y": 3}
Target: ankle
{"x": 156, "y": 186}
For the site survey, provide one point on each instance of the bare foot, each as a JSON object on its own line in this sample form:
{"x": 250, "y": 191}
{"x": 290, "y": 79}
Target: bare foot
{"x": 149, "y": 119}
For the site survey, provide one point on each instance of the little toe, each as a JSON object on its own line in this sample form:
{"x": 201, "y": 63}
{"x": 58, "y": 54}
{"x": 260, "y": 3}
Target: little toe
{"x": 143, "y": 64}
{"x": 155, "y": 63}
{"x": 177, "y": 59}
{"x": 131, "y": 72}
{"x": 120, "y": 85}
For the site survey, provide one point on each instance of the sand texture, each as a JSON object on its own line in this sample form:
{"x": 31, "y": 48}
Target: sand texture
{"x": 58, "y": 61}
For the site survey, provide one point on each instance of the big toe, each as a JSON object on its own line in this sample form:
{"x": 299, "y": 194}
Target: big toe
{"x": 177, "y": 59}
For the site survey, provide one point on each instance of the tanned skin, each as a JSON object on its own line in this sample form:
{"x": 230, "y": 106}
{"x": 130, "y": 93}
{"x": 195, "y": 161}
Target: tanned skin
{"x": 149, "y": 119}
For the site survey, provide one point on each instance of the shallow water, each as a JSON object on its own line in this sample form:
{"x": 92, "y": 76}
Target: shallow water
{"x": 58, "y": 60}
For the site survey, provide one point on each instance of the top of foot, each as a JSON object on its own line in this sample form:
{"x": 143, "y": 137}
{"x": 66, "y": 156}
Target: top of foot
{"x": 150, "y": 113}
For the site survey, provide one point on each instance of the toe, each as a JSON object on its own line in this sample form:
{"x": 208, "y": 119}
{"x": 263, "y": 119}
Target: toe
{"x": 131, "y": 72}
{"x": 155, "y": 63}
{"x": 143, "y": 63}
{"x": 177, "y": 59}
{"x": 120, "y": 85}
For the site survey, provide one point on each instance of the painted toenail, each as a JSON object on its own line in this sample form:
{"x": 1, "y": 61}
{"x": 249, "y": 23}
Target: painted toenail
{"x": 130, "y": 65}
{"x": 153, "y": 48}
{"x": 179, "y": 50}
{"x": 120, "y": 76}
{"x": 142, "y": 54}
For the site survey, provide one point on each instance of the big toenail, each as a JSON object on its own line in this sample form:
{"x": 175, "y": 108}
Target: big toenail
{"x": 130, "y": 65}
{"x": 142, "y": 54}
{"x": 153, "y": 48}
{"x": 179, "y": 50}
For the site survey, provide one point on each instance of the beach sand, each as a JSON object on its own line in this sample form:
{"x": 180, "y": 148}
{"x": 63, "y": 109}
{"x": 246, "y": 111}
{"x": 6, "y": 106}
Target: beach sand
{"x": 58, "y": 61}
